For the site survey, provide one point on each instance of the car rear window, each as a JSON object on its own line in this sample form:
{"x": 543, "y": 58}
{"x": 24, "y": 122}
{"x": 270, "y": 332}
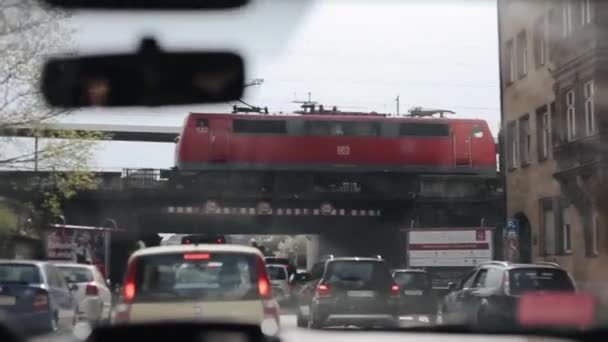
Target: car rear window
{"x": 277, "y": 273}
{"x": 77, "y": 274}
{"x": 213, "y": 276}
{"x": 539, "y": 279}
{"x": 413, "y": 280}
{"x": 358, "y": 274}
{"x": 20, "y": 273}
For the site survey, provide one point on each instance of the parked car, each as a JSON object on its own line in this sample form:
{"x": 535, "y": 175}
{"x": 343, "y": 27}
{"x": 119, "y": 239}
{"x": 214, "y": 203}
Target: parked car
{"x": 279, "y": 280}
{"x": 35, "y": 297}
{"x": 355, "y": 291}
{"x": 193, "y": 282}
{"x": 488, "y": 295}
{"x": 92, "y": 292}
{"x": 417, "y": 297}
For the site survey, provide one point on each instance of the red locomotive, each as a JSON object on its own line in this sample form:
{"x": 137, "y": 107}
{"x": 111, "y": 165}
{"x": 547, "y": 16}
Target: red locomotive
{"x": 335, "y": 141}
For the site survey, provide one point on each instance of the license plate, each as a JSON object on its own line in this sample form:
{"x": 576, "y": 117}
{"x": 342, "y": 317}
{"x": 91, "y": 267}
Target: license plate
{"x": 412, "y": 292}
{"x": 304, "y": 310}
{"x": 7, "y": 300}
{"x": 366, "y": 294}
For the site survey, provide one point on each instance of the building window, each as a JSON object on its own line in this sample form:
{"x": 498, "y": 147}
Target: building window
{"x": 513, "y": 145}
{"x": 567, "y": 238}
{"x": 525, "y": 139}
{"x": 570, "y": 116}
{"x": 543, "y": 132}
{"x": 522, "y": 54}
{"x": 548, "y": 228}
{"x": 567, "y": 19}
{"x": 585, "y": 12}
{"x": 510, "y": 64}
{"x": 588, "y": 90}
{"x": 540, "y": 41}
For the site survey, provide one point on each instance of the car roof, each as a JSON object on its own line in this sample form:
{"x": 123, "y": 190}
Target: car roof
{"x": 354, "y": 259}
{"x": 170, "y": 249}
{"x": 511, "y": 265}
{"x": 24, "y": 262}
{"x": 408, "y": 270}
{"x": 72, "y": 264}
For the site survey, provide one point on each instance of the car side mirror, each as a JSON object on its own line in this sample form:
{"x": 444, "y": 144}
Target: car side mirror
{"x": 73, "y": 287}
{"x": 451, "y": 286}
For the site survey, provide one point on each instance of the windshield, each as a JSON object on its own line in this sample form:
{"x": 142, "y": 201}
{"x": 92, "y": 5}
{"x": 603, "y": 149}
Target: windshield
{"x": 412, "y": 280}
{"x": 525, "y": 280}
{"x": 358, "y": 274}
{"x": 76, "y": 275}
{"x": 463, "y": 139}
{"x": 277, "y": 273}
{"x": 222, "y": 277}
{"x": 20, "y": 273}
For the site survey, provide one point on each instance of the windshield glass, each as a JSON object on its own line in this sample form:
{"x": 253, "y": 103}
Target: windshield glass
{"x": 20, "y": 273}
{"x": 277, "y": 273}
{"x": 412, "y": 280}
{"x": 358, "y": 274}
{"x": 76, "y": 274}
{"x": 223, "y": 276}
{"x": 525, "y": 280}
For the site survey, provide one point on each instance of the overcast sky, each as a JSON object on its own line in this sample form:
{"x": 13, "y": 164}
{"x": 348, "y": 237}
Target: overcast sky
{"x": 359, "y": 54}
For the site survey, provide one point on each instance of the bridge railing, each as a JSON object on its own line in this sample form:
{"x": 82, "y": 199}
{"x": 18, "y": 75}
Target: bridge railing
{"x": 142, "y": 178}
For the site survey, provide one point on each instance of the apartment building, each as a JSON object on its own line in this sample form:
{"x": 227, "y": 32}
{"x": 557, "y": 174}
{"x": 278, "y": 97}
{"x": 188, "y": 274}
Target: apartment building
{"x": 553, "y": 64}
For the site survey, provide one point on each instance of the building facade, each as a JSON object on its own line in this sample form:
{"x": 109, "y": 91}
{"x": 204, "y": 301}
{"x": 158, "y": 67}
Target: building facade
{"x": 553, "y": 62}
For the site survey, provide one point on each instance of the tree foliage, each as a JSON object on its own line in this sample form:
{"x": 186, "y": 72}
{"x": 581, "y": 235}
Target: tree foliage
{"x": 28, "y": 34}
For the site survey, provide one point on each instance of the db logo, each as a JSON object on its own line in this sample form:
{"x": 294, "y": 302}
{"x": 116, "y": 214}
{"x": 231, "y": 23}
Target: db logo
{"x": 343, "y": 150}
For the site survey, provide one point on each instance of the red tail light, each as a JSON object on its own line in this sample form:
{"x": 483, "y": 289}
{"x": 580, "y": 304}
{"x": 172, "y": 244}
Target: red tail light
{"x": 263, "y": 282}
{"x": 197, "y": 256}
{"x": 323, "y": 290}
{"x": 41, "y": 300}
{"x": 220, "y": 241}
{"x": 395, "y": 290}
{"x": 91, "y": 290}
{"x": 129, "y": 290}
{"x": 187, "y": 242}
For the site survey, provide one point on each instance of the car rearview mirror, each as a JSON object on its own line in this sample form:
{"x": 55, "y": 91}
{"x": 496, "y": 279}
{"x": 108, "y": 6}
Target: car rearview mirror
{"x": 149, "y": 77}
{"x": 145, "y": 4}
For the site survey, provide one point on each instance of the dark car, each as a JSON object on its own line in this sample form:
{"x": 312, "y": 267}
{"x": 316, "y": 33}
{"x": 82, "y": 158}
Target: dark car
{"x": 488, "y": 295}
{"x": 417, "y": 296}
{"x": 355, "y": 291}
{"x": 203, "y": 238}
{"x": 35, "y": 297}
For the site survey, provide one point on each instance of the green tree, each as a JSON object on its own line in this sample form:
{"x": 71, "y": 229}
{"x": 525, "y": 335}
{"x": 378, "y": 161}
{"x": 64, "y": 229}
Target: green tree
{"x": 28, "y": 34}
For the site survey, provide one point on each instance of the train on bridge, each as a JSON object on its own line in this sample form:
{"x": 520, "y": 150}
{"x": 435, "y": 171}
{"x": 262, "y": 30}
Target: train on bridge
{"x": 369, "y": 176}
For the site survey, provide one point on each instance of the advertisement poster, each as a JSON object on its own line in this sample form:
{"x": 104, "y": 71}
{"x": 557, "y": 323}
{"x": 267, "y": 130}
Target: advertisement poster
{"x": 511, "y": 241}
{"x": 78, "y": 245}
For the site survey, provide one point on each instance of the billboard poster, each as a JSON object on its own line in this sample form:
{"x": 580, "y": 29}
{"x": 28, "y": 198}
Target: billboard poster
{"x": 511, "y": 241}
{"x": 78, "y": 245}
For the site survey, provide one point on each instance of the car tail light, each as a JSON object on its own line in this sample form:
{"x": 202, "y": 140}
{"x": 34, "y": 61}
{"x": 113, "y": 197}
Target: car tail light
{"x": 263, "y": 281}
{"x": 197, "y": 256}
{"x": 41, "y": 300}
{"x": 129, "y": 289}
{"x": 395, "y": 290}
{"x": 187, "y": 242}
{"x": 220, "y": 241}
{"x": 91, "y": 290}
{"x": 323, "y": 290}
